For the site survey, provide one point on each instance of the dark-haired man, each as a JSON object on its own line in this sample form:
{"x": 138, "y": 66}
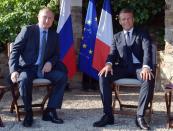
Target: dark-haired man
{"x": 131, "y": 49}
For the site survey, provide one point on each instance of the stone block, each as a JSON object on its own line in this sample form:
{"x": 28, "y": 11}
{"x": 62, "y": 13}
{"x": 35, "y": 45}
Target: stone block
{"x": 169, "y": 4}
{"x": 168, "y": 48}
{"x": 168, "y": 35}
{"x": 168, "y": 13}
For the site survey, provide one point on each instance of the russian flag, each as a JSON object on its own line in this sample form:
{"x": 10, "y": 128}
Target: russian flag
{"x": 64, "y": 29}
{"x": 104, "y": 37}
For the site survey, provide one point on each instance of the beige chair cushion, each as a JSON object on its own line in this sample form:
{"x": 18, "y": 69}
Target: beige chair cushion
{"x": 41, "y": 81}
{"x": 128, "y": 82}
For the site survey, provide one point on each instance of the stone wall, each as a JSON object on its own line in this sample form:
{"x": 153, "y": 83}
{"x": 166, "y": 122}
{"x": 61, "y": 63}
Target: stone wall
{"x": 77, "y": 32}
{"x": 76, "y": 12}
{"x": 77, "y": 26}
{"x": 166, "y": 57}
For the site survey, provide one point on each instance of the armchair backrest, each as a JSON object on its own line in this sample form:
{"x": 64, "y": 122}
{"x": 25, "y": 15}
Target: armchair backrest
{"x": 154, "y": 56}
{"x": 9, "y": 47}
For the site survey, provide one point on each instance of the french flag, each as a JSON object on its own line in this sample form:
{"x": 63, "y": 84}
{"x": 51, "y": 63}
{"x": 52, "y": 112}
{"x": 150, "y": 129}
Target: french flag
{"x": 104, "y": 37}
{"x": 64, "y": 29}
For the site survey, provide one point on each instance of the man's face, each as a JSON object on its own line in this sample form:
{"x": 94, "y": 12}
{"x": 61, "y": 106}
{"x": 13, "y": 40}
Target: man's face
{"x": 45, "y": 19}
{"x": 126, "y": 20}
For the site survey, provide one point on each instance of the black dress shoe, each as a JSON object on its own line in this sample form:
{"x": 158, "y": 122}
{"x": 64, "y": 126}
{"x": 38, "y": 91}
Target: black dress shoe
{"x": 141, "y": 123}
{"x": 28, "y": 120}
{"x": 52, "y": 116}
{"x": 105, "y": 120}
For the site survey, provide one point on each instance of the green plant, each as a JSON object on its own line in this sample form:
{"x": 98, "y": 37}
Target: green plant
{"x": 17, "y": 13}
{"x": 148, "y": 14}
{"x": 144, "y": 9}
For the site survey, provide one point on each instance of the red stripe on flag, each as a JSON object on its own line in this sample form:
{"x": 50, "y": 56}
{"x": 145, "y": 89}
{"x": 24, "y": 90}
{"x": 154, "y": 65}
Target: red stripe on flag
{"x": 70, "y": 62}
{"x": 101, "y": 52}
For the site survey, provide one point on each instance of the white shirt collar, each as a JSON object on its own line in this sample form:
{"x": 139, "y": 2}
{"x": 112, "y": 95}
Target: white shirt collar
{"x": 41, "y": 30}
{"x": 130, "y": 31}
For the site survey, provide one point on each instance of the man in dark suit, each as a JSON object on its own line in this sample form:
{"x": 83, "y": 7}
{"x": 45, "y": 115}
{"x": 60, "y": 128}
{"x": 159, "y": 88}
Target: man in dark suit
{"x": 35, "y": 54}
{"x": 130, "y": 56}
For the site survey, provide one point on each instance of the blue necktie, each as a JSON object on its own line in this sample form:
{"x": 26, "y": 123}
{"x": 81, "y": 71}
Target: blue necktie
{"x": 41, "y": 61}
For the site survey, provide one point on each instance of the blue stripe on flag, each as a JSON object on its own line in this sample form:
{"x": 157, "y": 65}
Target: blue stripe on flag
{"x": 106, "y": 6}
{"x": 65, "y": 37}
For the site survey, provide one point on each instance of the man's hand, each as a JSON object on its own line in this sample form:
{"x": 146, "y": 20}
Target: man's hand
{"x": 47, "y": 67}
{"x": 106, "y": 69}
{"x": 146, "y": 74}
{"x": 14, "y": 76}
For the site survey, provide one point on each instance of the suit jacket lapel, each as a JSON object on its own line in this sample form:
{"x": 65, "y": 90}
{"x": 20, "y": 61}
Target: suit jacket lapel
{"x": 123, "y": 38}
{"x": 47, "y": 43}
{"x": 37, "y": 38}
{"x": 133, "y": 37}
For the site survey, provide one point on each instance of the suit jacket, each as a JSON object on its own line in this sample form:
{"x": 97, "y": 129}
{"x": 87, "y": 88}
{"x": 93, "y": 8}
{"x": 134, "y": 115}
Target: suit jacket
{"x": 26, "y": 49}
{"x": 140, "y": 46}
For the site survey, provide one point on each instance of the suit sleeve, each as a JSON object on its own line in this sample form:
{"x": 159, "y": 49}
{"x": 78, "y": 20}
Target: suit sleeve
{"x": 17, "y": 48}
{"x": 113, "y": 55}
{"x": 56, "y": 55}
{"x": 55, "y": 59}
{"x": 147, "y": 49}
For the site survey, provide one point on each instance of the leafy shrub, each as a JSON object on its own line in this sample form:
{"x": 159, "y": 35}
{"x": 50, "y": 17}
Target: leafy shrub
{"x": 17, "y": 13}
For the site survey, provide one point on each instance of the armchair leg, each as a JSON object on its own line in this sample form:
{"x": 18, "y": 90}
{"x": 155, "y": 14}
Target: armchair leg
{"x": 150, "y": 110}
{"x": 114, "y": 103}
{"x": 1, "y": 123}
{"x": 2, "y": 91}
{"x": 123, "y": 105}
{"x": 49, "y": 90}
{"x": 117, "y": 96}
{"x": 168, "y": 96}
{"x": 14, "y": 104}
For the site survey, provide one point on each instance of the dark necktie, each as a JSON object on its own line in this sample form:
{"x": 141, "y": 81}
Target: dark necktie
{"x": 128, "y": 38}
{"x": 42, "y": 52}
{"x": 129, "y": 58}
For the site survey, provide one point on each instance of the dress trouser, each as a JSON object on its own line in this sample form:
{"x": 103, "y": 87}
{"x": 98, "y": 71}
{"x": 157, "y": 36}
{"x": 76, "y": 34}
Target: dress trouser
{"x": 58, "y": 79}
{"x": 146, "y": 90}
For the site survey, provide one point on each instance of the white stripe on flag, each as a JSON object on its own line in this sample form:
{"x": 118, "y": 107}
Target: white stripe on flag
{"x": 105, "y": 29}
{"x": 65, "y": 9}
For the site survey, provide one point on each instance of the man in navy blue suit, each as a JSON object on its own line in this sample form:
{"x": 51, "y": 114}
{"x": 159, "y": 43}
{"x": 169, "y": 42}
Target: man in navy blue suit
{"x": 35, "y": 54}
{"x": 130, "y": 56}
